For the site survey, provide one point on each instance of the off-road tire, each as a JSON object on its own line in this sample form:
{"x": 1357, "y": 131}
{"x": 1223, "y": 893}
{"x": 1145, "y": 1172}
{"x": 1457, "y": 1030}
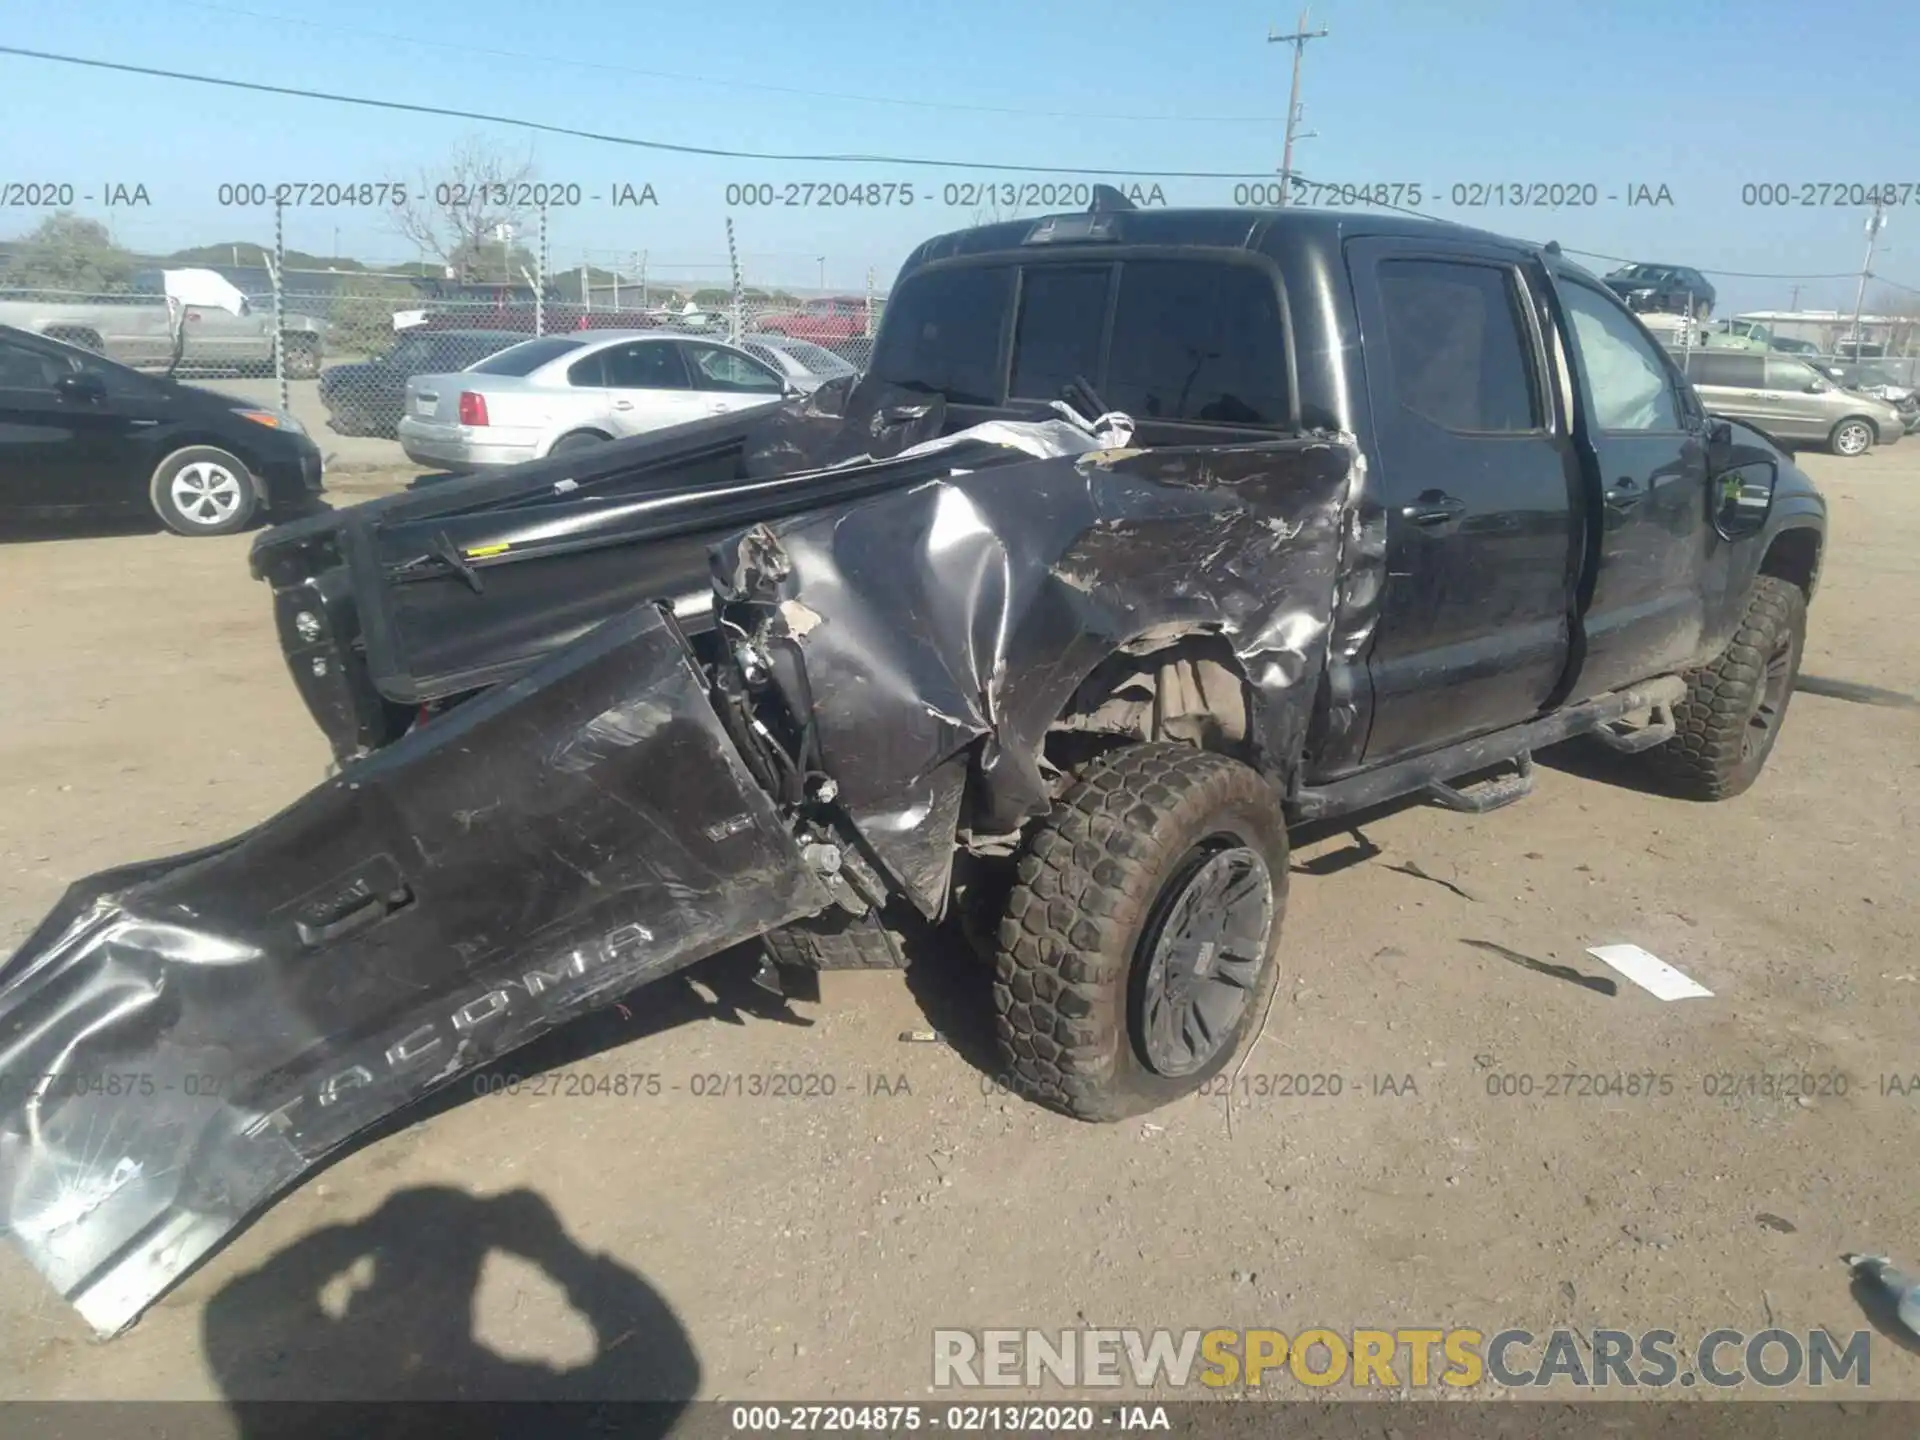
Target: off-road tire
{"x": 1070, "y": 957}
{"x": 1714, "y": 753}
{"x": 835, "y": 941}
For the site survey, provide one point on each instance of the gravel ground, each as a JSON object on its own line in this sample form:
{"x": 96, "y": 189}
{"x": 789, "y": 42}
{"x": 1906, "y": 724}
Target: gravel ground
{"x": 744, "y": 1246}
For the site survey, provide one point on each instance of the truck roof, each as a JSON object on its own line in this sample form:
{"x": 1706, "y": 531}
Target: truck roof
{"x": 1264, "y": 231}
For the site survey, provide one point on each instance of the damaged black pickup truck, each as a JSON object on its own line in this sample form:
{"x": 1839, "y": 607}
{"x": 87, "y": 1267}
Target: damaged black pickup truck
{"x": 1147, "y": 534}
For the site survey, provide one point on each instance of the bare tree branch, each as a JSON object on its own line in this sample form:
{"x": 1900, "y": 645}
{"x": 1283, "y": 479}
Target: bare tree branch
{"x": 454, "y": 215}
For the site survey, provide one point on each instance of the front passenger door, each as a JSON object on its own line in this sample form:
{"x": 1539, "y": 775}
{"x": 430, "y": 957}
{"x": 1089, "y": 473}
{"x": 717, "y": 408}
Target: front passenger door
{"x": 1648, "y": 441}
{"x": 728, "y": 380}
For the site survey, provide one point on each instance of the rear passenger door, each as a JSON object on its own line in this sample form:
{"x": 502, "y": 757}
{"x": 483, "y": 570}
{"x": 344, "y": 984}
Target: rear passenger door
{"x": 1646, "y": 612}
{"x": 1478, "y": 476}
{"x": 726, "y": 380}
{"x": 646, "y": 386}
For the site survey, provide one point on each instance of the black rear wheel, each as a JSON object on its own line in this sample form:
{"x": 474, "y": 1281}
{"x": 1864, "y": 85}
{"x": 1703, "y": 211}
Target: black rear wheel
{"x": 1138, "y": 946}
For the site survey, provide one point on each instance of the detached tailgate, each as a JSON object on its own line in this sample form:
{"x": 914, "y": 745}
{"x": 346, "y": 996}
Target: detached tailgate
{"x": 179, "y": 1040}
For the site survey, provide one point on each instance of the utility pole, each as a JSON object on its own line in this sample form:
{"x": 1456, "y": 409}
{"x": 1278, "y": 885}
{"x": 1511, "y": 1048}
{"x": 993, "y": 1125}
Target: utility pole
{"x": 1298, "y": 39}
{"x": 1875, "y": 222}
{"x": 1793, "y": 300}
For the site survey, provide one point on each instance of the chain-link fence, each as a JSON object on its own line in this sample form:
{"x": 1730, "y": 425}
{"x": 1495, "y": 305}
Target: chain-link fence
{"x": 347, "y": 342}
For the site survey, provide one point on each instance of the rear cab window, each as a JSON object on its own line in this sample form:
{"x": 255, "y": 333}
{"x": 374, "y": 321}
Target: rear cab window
{"x": 942, "y": 333}
{"x": 1198, "y": 341}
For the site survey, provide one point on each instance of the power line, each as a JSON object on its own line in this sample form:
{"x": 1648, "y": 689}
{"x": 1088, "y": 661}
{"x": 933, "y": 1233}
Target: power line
{"x": 713, "y": 151}
{"x": 728, "y": 84}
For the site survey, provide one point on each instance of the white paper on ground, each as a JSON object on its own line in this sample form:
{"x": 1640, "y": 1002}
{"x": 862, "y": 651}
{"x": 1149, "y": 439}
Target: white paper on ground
{"x": 1650, "y": 972}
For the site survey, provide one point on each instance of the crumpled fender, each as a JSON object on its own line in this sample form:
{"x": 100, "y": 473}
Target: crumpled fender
{"x": 965, "y": 612}
{"x": 181, "y": 1039}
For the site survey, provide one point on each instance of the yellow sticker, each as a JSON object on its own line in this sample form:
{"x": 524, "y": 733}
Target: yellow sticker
{"x": 480, "y": 552}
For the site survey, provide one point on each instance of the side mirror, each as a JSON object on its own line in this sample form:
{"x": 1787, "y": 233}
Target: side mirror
{"x": 1743, "y": 497}
{"x": 81, "y": 386}
{"x": 1817, "y": 386}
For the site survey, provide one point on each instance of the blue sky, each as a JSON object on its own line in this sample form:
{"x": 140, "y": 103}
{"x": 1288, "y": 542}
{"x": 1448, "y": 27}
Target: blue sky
{"x": 1700, "y": 98}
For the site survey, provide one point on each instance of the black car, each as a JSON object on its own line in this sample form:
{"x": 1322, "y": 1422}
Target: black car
{"x": 80, "y": 434}
{"x": 1673, "y": 289}
{"x": 367, "y": 398}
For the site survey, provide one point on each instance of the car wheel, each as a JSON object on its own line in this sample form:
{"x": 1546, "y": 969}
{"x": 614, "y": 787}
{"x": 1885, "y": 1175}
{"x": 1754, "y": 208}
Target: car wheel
{"x": 1727, "y": 724}
{"x": 204, "y": 491}
{"x": 578, "y": 440}
{"x": 302, "y": 354}
{"x": 1137, "y": 949}
{"x": 1852, "y": 436}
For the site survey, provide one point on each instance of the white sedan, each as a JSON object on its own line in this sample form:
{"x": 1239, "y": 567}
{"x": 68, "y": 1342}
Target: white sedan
{"x": 559, "y": 393}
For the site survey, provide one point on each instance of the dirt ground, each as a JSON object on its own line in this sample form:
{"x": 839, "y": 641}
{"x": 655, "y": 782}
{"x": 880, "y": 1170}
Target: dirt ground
{"x": 740, "y": 1246}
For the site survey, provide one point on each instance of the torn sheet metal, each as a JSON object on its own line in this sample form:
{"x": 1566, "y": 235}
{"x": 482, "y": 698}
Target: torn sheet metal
{"x": 179, "y": 1040}
{"x": 966, "y": 611}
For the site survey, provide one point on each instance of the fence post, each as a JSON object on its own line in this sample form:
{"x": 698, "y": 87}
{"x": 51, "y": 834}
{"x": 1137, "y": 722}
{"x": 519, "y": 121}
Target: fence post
{"x": 868, "y": 322}
{"x": 279, "y": 300}
{"x": 540, "y": 278}
{"x": 586, "y": 294}
{"x": 733, "y": 263}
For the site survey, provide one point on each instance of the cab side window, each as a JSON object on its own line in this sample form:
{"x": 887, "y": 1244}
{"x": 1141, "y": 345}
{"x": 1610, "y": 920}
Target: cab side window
{"x": 1631, "y": 389}
{"x": 1458, "y": 346}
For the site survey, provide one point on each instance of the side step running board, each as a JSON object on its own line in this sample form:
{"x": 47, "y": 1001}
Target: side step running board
{"x": 1632, "y": 739}
{"x": 1489, "y": 794}
{"x": 1419, "y": 772}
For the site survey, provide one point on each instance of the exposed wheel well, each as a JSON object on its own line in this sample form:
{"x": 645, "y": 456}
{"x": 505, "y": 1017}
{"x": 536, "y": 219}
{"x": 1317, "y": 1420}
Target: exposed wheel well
{"x": 1185, "y": 686}
{"x": 1794, "y": 556}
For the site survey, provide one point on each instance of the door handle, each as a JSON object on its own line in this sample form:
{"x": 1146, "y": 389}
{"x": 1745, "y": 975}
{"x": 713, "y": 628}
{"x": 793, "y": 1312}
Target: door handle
{"x": 1433, "y": 508}
{"x": 1625, "y": 494}
{"x": 718, "y": 407}
{"x": 623, "y": 404}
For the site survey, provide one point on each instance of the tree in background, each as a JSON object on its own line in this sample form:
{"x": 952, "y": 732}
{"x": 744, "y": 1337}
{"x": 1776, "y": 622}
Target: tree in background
{"x": 456, "y": 215}
{"x": 68, "y": 252}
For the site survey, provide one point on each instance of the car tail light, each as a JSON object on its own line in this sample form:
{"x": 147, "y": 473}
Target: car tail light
{"x": 473, "y": 408}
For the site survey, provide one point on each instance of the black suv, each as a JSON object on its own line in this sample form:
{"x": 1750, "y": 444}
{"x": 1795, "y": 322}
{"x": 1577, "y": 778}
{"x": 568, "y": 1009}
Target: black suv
{"x": 1673, "y": 289}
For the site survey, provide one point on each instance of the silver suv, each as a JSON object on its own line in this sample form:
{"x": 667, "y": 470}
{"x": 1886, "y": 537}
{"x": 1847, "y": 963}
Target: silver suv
{"x": 1791, "y": 400}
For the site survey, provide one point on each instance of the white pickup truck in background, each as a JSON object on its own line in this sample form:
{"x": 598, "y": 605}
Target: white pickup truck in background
{"x": 135, "y": 329}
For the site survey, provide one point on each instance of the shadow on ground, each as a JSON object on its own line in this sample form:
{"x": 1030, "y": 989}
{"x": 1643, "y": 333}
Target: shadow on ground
{"x": 382, "y": 1309}
{"x": 1882, "y": 1311}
